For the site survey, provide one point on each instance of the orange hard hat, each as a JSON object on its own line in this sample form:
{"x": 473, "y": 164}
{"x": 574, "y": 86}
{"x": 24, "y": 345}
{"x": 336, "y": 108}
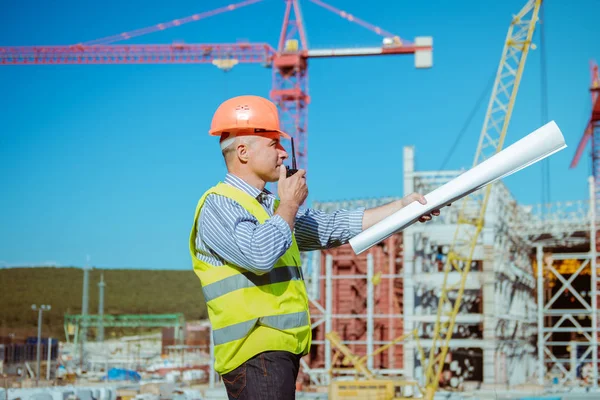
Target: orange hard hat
{"x": 246, "y": 115}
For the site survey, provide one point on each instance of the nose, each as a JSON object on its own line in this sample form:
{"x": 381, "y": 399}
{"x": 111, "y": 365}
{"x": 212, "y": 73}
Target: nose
{"x": 282, "y": 153}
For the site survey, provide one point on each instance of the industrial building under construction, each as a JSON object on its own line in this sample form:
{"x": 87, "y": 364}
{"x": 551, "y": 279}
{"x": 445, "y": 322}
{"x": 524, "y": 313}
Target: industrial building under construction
{"x": 492, "y": 298}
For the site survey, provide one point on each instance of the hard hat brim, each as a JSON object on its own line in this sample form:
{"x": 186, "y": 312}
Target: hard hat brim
{"x": 248, "y": 132}
{"x": 284, "y": 135}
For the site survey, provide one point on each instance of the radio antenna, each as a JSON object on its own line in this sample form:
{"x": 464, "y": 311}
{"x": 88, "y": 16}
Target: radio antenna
{"x": 293, "y": 155}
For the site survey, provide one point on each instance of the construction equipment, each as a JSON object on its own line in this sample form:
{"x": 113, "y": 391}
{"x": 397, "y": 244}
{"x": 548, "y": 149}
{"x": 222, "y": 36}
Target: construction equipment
{"x": 371, "y": 387}
{"x": 289, "y": 62}
{"x": 471, "y": 216}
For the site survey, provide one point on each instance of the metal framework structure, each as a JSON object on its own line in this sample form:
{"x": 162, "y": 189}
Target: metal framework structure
{"x": 289, "y": 61}
{"x": 360, "y": 297}
{"x": 568, "y": 335}
{"x": 76, "y": 322}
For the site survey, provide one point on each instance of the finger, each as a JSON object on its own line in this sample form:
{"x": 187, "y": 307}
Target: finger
{"x": 282, "y": 172}
{"x": 436, "y": 212}
{"x": 420, "y": 198}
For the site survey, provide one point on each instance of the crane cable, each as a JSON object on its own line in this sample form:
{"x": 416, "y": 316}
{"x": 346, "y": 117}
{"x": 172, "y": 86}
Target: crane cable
{"x": 477, "y": 106}
{"x": 544, "y": 106}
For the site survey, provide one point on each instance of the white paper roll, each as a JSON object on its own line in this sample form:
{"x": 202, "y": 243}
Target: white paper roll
{"x": 541, "y": 143}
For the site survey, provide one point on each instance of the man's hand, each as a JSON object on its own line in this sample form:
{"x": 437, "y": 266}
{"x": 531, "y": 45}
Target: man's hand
{"x": 413, "y": 197}
{"x": 421, "y": 199}
{"x": 292, "y": 194}
{"x": 376, "y": 214}
{"x": 292, "y": 190}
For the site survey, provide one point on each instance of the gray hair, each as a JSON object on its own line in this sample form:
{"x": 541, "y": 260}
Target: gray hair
{"x": 229, "y": 145}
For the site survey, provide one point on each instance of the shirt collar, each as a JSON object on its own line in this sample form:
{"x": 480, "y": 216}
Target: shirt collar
{"x": 239, "y": 183}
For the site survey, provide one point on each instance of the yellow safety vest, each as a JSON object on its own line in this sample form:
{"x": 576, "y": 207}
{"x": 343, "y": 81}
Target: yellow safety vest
{"x": 252, "y": 313}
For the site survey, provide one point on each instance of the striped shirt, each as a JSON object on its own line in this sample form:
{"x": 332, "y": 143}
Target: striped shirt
{"x": 227, "y": 231}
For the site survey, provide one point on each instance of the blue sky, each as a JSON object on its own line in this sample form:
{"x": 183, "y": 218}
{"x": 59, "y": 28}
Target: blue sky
{"x": 109, "y": 160}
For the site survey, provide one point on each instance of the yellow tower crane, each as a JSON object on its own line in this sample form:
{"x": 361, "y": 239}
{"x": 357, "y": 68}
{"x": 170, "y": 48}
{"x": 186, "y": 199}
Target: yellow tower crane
{"x": 471, "y": 216}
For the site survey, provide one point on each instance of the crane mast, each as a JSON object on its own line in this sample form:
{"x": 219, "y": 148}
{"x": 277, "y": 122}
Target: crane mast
{"x": 471, "y": 215}
{"x": 290, "y": 79}
{"x": 592, "y": 131}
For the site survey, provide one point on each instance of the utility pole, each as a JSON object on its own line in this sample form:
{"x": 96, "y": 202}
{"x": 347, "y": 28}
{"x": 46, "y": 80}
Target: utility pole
{"x": 101, "y": 285}
{"x": 100, "y": 332}
{"x": 40, "y": 310}
{"x": 84, "y": 311}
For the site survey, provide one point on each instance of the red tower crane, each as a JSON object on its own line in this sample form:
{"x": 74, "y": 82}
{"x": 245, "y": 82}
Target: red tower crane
{"x": 289, "y": 61}
{"x": 592, "y": 131}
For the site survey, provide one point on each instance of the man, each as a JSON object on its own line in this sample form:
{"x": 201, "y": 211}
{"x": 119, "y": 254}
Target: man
{"x": 245, "y": 246}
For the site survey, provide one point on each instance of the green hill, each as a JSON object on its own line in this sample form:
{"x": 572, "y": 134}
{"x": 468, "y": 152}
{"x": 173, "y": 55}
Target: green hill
{"x": 126, "y": 292}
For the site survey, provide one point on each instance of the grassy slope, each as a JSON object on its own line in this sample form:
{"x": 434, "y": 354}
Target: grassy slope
{"x": 126, "y": 292}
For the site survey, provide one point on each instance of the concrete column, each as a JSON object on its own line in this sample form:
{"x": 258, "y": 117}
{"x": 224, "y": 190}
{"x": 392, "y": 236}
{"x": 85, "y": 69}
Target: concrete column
{"x": 328, "y": 310}
{"x": 489, "y": 308}
{"x": 540, "y": 311}
{"x": 490, "y": 297}
{"x": 370, "y": 309}
{"x": 408, "y": 267}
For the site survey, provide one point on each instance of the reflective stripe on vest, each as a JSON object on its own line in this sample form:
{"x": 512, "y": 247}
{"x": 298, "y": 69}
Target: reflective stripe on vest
{"x": 240, "y": 330}
{"x": 248, "y": 280}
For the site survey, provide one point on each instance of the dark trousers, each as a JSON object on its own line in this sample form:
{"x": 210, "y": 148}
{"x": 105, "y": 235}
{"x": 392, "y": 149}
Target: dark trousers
{"x": 269, "y": 375}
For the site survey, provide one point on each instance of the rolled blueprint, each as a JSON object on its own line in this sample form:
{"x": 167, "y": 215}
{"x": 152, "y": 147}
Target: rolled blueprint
{"x": 541, "y": 143}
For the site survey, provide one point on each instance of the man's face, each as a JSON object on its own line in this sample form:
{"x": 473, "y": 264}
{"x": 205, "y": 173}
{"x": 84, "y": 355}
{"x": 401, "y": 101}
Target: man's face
{"x": 265, "y": 157}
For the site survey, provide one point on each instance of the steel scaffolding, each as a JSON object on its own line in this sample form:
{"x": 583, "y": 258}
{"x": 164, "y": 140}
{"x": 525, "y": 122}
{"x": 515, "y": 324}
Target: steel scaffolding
{"x": 568, "y": 336}
{"x": 358, "y": 297}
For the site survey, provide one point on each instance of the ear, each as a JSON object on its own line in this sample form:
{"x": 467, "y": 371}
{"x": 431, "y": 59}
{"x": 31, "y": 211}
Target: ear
{"x": 242, "y": 152}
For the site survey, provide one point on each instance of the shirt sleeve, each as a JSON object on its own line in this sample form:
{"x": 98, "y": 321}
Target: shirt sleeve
{"x": 236, "y": 236}
{"x": 316, "y": 230}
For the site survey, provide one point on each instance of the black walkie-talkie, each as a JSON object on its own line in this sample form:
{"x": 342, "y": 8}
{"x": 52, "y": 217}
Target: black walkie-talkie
{"x": 293, "y": 170}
